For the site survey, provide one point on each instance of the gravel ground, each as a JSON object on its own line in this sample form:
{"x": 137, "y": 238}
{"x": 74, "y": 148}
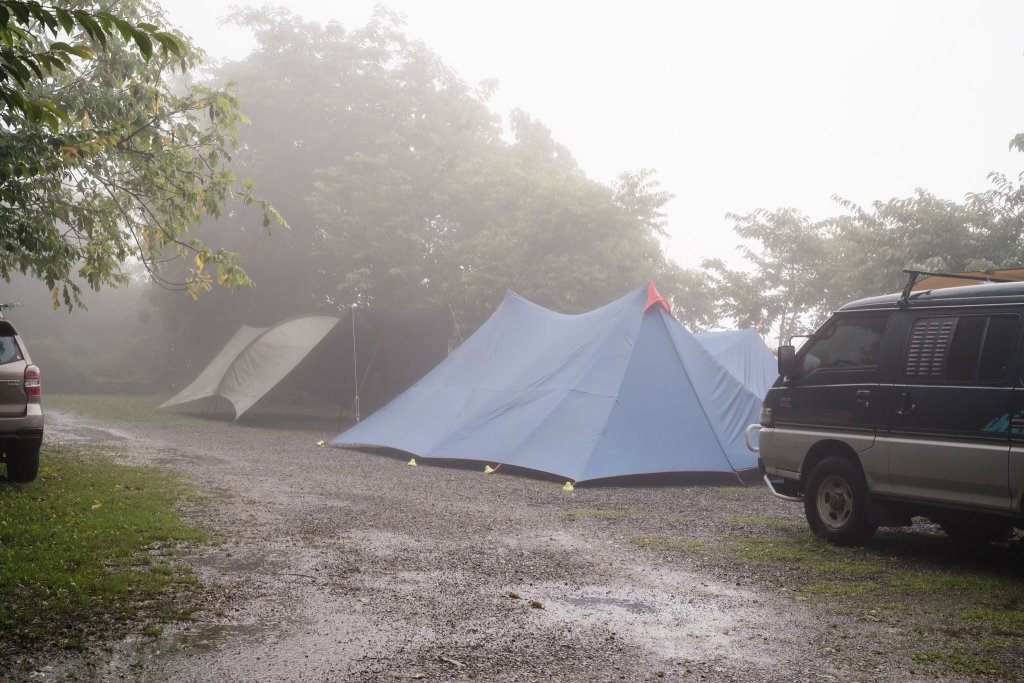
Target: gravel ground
{"x": 346, "y": 566}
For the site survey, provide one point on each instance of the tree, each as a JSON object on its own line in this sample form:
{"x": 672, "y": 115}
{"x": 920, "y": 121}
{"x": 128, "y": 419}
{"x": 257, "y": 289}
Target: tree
{"x": 29, "y": 33}
{"x": 101, "y": 160}
{"x": 691, "y": 295}
{"x": 786, "y": 286}
{"x": 803, "y": 269}
{"x": 402, "y": 192}
{"x": 873, "y": 246}
{"x": 528, "y": 222}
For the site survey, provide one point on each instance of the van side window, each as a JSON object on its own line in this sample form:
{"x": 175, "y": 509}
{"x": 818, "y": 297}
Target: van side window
{"x": 849, "y": 342}
{"x": 975, "y": 348}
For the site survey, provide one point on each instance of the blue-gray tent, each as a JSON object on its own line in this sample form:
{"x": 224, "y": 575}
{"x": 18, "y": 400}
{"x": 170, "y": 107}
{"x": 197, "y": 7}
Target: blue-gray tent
{"x": 621, "y": 390}
{"x": 744, "y": 354}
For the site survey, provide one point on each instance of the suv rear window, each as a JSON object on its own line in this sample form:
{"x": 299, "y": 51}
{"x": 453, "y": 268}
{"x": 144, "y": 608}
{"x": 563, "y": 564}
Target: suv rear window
{"x": 9, "y": 351}
{"x": 974, "y": 348}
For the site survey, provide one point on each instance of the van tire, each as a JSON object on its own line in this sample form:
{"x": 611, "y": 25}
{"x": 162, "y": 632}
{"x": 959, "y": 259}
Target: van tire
{"x": 836, "y": 502}
{"x": 23, "y": 463}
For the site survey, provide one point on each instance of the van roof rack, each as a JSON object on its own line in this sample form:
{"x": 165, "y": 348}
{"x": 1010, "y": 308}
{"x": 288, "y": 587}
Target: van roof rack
{"x": 914, "y": 275}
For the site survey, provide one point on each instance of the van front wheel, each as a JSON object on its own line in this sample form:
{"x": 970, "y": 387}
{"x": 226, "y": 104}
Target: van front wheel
{"x": 836, "y": 502}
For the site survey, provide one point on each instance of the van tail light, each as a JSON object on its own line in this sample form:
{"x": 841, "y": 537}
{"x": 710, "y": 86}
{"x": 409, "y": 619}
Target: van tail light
{"x": 33, "y": 387}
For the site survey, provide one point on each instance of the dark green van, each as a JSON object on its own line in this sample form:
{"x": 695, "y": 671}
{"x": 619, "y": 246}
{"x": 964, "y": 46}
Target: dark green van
{"x": 904, "y": 405}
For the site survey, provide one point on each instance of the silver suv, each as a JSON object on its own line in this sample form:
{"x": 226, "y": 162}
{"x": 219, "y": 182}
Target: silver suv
{"x": 21, "y": 409}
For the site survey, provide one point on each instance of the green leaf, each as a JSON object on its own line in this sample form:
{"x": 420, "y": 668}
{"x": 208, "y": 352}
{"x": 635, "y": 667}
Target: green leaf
{"x": 143, "y": 41}
{"x": 21, "y": 12}
{"x": 124, "y": 28}
{"x": 81, "y": 50}
{"x": 44, "y": 17}
{"x": 170, "y": 42}
{"x": 91, "y": 27}
{"x": 67, "y": 21}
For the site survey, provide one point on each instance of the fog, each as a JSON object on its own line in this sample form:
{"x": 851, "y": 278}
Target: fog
{"x": 733, "y": 106}
{"x": 739, "y": 104}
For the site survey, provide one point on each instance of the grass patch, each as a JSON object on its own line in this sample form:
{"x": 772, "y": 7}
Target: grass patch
{"x": 1003, "y": 622}
{"x": 813, "y": 557}
{"x": 668, "y": 543}
{"x": 956, "y": 661}
{"x": 123, "y": 407}
{"x": 952, "y": 611}
{"x": 769, "y": 522}
{"x": 145, "y": 408}
{"x": 971, "y": 601}
{"x": 937, "y": 582}
{"x": 594, "y": 512}
{"x": 742, "y": 490}
{"x": 89, "y": 550}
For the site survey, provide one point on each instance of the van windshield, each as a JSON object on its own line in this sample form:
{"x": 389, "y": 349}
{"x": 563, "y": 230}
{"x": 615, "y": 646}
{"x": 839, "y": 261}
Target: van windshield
{"x": 848, "y": 342}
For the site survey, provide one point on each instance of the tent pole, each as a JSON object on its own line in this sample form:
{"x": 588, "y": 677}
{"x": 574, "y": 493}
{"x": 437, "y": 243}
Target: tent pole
{"x": 355, "y": 361}
{"x": 455, "y": 323}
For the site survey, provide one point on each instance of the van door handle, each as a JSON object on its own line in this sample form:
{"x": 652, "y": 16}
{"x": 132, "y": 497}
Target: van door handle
{"x": 863, "y": 396}
{"x": 906, "y": 406}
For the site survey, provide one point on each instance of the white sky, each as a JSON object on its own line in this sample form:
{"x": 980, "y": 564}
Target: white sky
{"x": 737, "y": 104}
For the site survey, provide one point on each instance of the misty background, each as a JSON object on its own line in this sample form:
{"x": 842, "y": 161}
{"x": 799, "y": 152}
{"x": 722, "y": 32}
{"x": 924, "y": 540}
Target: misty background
{"x": 738, "y": 104}
{"x": 761, "y": 163}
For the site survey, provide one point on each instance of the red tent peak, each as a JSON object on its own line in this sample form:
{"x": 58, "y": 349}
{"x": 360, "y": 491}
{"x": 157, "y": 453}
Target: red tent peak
{"x": 654, "y": 298}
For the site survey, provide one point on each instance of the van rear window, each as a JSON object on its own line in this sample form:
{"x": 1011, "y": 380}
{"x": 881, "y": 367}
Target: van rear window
{"x": 976, "y": 348}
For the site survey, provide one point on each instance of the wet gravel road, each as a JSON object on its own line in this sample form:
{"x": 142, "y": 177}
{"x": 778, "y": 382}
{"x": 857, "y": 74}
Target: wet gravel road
{"x": 346, "y": 566}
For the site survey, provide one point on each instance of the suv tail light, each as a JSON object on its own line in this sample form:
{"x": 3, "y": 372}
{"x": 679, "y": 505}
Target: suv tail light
{"x": 33, "y": 387}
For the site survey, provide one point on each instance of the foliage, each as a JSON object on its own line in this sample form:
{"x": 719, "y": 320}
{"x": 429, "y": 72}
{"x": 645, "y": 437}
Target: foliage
{"x": 88, "y": 550}
{"x": 101, "y": 160}
{"x": 29, "y": 33}
{"x": 922, "y": 232}
{"x": 691, "y": 295}
{"x": 798, "y": 270}
{"x": 402, "y": 192}
{"x": 783, "y": 287}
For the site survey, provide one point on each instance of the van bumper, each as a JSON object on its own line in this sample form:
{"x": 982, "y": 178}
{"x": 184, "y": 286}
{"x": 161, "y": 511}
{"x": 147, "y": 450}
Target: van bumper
{"x": 782, "y": 496}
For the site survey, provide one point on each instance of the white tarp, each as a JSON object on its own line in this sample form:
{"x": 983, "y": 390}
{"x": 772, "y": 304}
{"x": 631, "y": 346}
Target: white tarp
{"x": 254, "y": 360}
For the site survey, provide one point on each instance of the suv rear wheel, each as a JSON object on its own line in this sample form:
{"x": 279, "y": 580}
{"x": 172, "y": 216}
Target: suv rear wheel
{"x": 836, "y": 502}
{"x": 23, "y": 463}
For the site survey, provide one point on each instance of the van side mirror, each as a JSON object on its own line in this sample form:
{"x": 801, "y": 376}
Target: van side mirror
{"x": 787, "y": 360}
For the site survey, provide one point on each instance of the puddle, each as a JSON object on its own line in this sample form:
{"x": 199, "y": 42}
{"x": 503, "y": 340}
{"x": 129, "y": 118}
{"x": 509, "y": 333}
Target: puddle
{"x": 209, "y": 638}
{"x": 632, "y": 606}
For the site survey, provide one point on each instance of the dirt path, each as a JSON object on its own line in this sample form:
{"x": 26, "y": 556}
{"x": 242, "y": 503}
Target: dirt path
{"x": 343, "y": 566}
